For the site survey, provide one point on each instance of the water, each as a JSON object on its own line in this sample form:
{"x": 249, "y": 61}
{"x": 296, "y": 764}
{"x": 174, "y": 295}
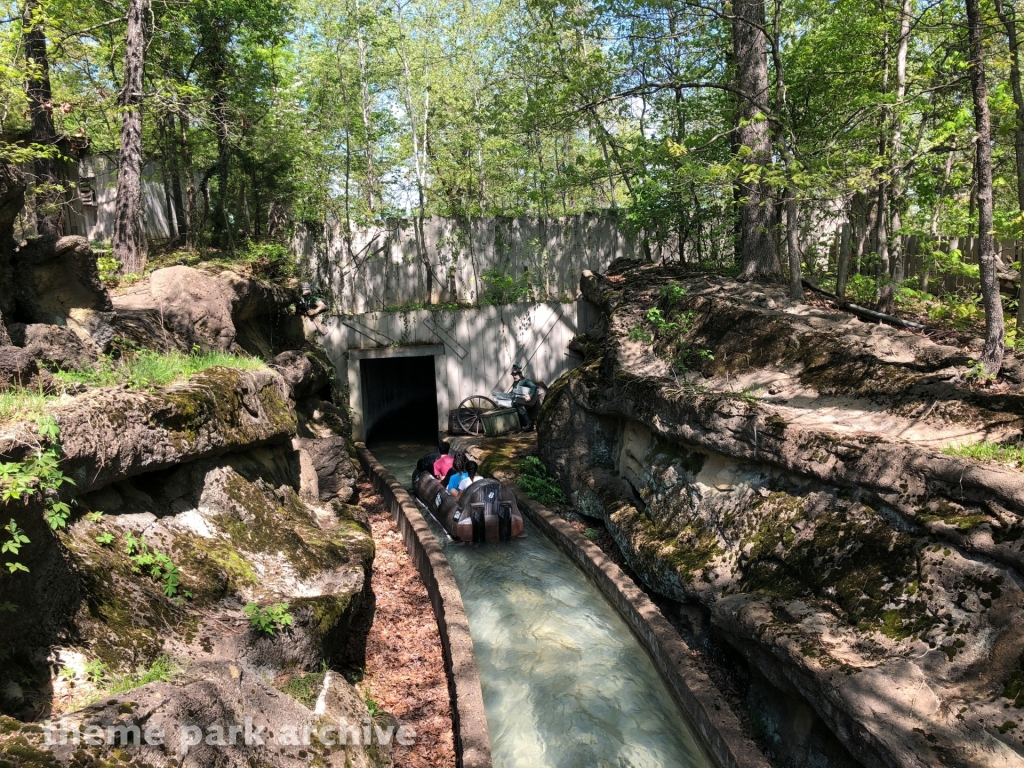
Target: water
{"x": 565, "y": 682}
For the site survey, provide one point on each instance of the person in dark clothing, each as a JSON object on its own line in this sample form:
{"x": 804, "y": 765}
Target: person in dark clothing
{"x": 524, "y": 394}
{"x": 426, "y": 464}
{"x": 311, "y": 306}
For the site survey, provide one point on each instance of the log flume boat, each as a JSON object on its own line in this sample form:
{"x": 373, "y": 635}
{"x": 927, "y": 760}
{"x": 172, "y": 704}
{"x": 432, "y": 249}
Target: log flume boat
{"x": 486, "y": 511}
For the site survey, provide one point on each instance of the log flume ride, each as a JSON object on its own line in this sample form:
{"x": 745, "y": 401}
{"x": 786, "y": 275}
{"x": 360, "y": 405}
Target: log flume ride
{"x": 486, "y": 511}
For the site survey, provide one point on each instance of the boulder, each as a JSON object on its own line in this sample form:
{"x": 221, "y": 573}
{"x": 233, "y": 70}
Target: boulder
{"x": 93, "y": 327}
{"x": 223, "y": 312}
{"x": 19, "y": 368}
{"x": 307, "y": 375}
{"x": 5, "y": 338}
{"x": 335, "y": 472}
{"x": 50, "y": 277}
{"x": 58, "y": 347}
{"x": 214, "y": 713}
{"x": 113, "y": 434}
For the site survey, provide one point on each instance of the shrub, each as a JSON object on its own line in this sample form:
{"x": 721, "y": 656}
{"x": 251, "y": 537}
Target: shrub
{"x": 268, "y": 261}
{"x": 536, "y": 483}
{"x": 269, "y": 619}
{"x": 503, "y": 288}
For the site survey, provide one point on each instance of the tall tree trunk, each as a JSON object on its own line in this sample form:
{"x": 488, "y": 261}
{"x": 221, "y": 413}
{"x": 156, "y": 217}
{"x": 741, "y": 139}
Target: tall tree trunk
{"x": 129, "y": 239}
{"x": 883, "y": 288}
{"x": 843, "y": 266}
{"x": 992, "y": 356}
{"x": 796, "y": 288}
{"x": 366, "y": 110}
{"x": 896, "y": 244}
{"x": 48, "y": 194}
{"x": 214, "y": 35}
{"x": 933, "y": 228}
{"x": 757, "y": 216}
{"x": 190, "y": 183}
{"x": 1009, "y": 21}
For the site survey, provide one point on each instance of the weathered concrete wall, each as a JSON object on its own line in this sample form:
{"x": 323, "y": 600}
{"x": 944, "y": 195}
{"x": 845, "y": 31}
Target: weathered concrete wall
{"x": 381, "y": 267}
{"x": 91, "y": 192}
{"x": 473, "y": 349}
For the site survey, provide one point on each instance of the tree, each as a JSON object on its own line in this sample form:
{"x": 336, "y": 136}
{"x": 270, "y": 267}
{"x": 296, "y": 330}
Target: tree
{"x": 992, "y": 355}
{"x": 757, "y": 213}
{"x": 129, "y": 239}
{"x": 49, "y": 194}
{"x": 1008, "y": 17}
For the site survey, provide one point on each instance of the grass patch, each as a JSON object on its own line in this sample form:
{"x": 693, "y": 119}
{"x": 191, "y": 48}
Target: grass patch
{"x": 22, "y": 403}
{"x": 305, "y": 689}
{"x": 160, "y": 671}
{"x": 148, "y": 369}
{"x": 163, "y": 669}
{"x": 1011, "y": 455}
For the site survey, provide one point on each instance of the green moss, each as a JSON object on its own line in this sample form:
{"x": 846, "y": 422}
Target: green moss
{"x": 688, "y": 550}
{"x": 304, "y": 688}
{"x": 1013, "y": 689}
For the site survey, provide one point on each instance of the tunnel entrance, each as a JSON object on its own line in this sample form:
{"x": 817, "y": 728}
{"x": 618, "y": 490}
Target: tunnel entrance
{"x": 399, "y": 398}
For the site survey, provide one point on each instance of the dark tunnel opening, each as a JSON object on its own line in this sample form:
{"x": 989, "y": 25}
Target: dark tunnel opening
{"x": 399, "y": 397}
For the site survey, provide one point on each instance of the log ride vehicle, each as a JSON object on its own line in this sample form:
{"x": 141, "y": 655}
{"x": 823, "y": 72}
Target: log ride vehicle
{"x": 485, "y": 512}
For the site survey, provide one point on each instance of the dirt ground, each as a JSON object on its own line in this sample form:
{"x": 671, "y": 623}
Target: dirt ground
{"x": 404, "y": 666}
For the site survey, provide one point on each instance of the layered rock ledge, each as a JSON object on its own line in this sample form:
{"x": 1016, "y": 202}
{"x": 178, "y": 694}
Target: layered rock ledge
{"x": 241, "y": 491}
{"x": 776, "y": 470}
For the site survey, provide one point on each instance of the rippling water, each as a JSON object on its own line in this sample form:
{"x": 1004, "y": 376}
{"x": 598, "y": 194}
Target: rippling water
{"x": 565, "y": 682}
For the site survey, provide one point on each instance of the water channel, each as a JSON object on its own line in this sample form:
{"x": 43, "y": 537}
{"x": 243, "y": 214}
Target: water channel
{"x": 565, "y": 682}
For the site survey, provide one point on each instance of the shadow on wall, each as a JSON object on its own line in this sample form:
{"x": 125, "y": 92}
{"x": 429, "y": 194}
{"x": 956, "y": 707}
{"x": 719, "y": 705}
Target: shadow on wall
{"x": 399, "y": 399}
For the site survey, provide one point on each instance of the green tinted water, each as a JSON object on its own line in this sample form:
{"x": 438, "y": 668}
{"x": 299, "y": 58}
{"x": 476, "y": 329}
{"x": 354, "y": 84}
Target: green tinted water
{"x": 565, "y": 682}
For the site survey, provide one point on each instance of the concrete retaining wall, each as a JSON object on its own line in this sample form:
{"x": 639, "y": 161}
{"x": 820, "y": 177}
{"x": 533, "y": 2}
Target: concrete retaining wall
{"x": 383, "y": 267}
{"x": 469, "y": 721}
{"x": 473, "y": 349}
{"x": 698, "y": 698}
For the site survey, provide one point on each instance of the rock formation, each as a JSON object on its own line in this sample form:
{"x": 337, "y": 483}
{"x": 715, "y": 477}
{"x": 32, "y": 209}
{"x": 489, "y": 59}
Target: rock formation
{"x": 179, "y": 307}
{"x": 189, "y": 504}
{"x": 776, "y": 471}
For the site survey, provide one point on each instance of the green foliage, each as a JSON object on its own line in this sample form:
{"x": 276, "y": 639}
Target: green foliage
{"x": 663, "y": 326}
{"x": 591, "y": 533}
{"x": 536, "y": 483}
{"x": 267, "y": 260}
{"x": 977, "y": 373}
{"x": 158, "y": 565}
{"x": 40, "y": 474}
{"x": 163, "y": 669}
{"x": 502, "y": 287}
{"x": 372, "y": 704}
{"x": 147, "y": 369}
{"x": 1011, "y": 455}
{"x": 96, "y": 671}
{"x": 269, "y": 619}
{"x": 16, "y": 539}
{"x": 959, "y": 312}
{"x": 861, "y": 289}
{"x": 672, "y": 292}
{"x": 105, "y": 538}
{"x": 22, "y": 403}
{"x": 109, "y": 270}
{"x": 638, "y": 333}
